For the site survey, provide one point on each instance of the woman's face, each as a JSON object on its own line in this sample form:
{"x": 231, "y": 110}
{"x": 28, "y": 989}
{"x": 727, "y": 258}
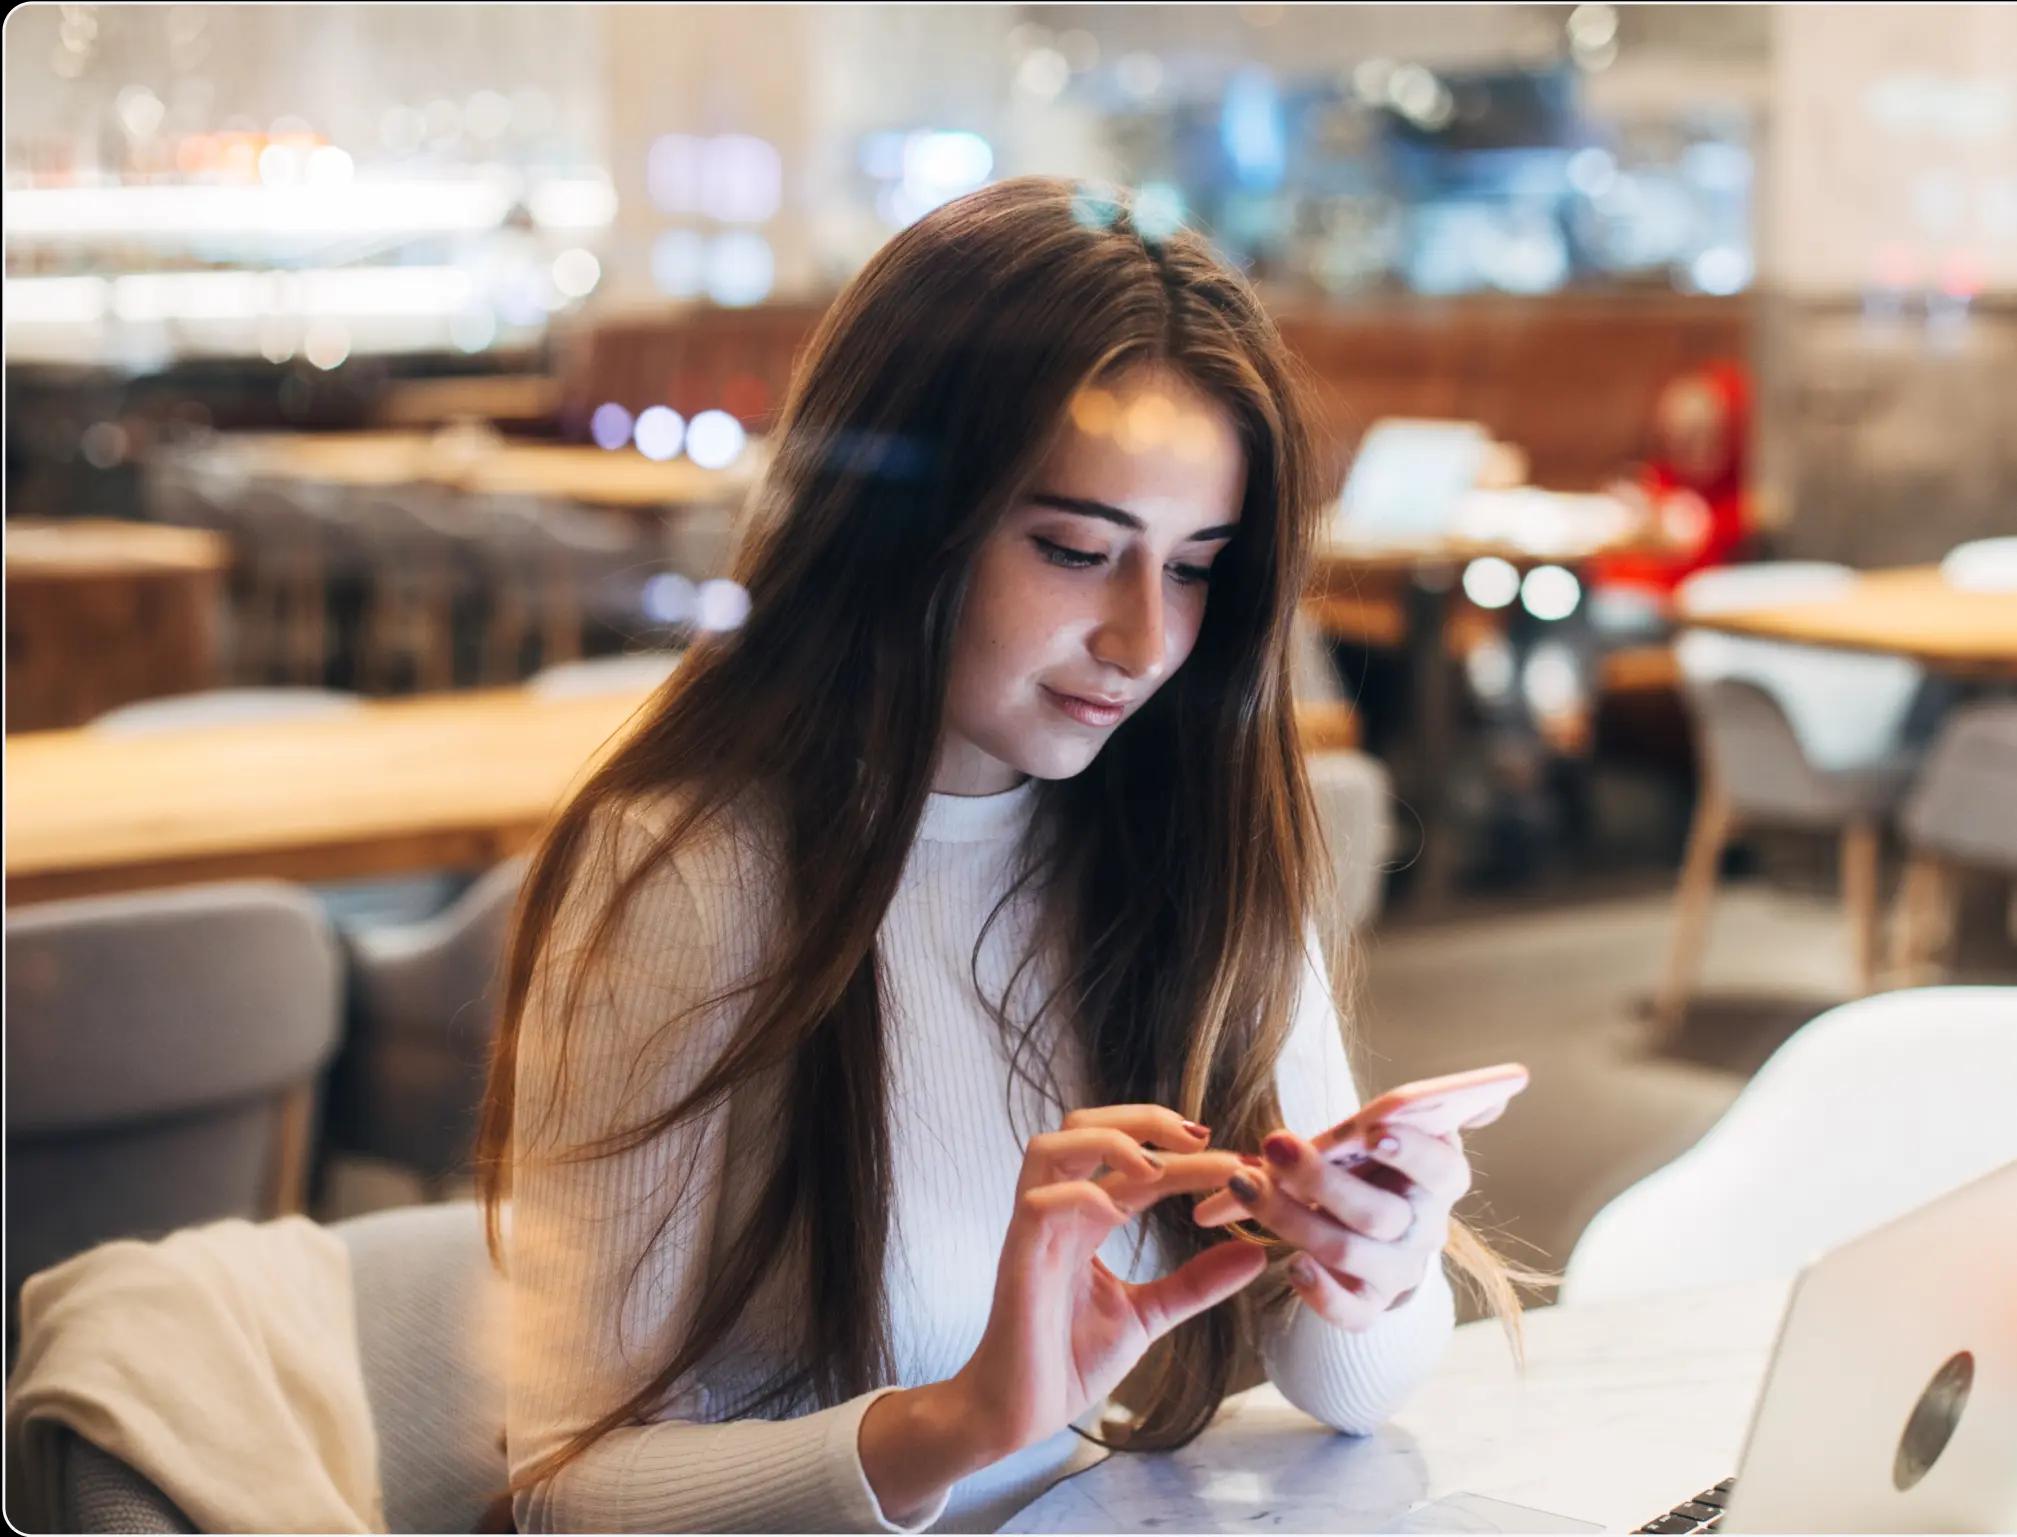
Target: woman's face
{"x": 1093, "y": 586}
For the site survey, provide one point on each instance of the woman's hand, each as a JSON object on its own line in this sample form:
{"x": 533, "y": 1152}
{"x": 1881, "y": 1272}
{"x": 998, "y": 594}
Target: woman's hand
{"x": 1064, "y": 1329}
{"x": 1369, "y": 1227}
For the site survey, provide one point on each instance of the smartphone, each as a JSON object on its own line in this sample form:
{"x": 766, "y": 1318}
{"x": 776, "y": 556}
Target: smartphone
{"x": 1438, "y": 1106}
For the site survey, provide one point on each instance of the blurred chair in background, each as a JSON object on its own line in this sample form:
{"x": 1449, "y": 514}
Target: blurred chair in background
{"x": 1353, "y": 791}
{"x": 1982, "y": 565}
{"x": 639, "y": 672}
{"x": 224, "y": 707}
{"x": 1790, "y": 736}
{"x": 163, "y": 1050}
{"x": 1868, "y": 1111}
{"x": 423, "y": 1290}
{"x": 1961, "y": 813}
{"x": 422, "y": 557}
{"x": 423, "y": 1003}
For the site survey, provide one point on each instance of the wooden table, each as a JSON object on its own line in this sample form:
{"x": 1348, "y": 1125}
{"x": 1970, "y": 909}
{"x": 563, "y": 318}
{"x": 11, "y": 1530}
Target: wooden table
{"x": 101, "y": 613}
{"x": 621, "y": 478}
{"x": 456, "y": 781}
{"x": 1909, "y": 612}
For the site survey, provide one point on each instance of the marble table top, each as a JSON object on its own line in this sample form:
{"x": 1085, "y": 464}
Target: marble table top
{"x": 1625, "y": 1409}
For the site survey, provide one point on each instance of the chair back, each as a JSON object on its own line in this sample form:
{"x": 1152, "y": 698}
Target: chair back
{"x": 1982, "y": 565}
{"x": 423, "y": 1009}
{"x": 1847, "y": 710}
{"x": 429, "y": 1327}
{"x": 153, "y": 1041}
{"x": 1963, "y": 805}
{"x": 224, "y": 707}
{"x": 1868, "y": 1111}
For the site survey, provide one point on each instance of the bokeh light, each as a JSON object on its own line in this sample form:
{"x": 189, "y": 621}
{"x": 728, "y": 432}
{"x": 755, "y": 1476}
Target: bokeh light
{"x": 714, "y": 440}
{"x": 1551, "y": 592}
{"x": 740, "y": 269}
{"x": 610, "y": 425}
{"x": 659, "y": 432}
{"x": 1490, "y": 582}
{"x": 723, "y": 605}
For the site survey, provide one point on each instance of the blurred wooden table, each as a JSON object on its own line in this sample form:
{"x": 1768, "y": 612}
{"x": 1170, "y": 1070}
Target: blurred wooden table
{"x": 1910, "y": 611}
{"x": 621, "y": 478}
{"x": 454, "y": 781}
{"x": 101, "y": 613}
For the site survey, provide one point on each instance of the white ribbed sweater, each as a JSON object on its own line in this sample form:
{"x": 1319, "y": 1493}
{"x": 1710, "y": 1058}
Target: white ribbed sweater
{"x": 582, "y": 1342}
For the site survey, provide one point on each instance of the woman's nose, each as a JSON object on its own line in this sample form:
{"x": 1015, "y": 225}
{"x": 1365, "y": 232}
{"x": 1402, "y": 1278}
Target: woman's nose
{"x": 1130, "y": 636}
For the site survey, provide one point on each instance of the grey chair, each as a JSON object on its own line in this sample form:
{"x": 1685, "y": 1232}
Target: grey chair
{"x": 423, "y": 1008}
{"x": 1960, "y": 813}
{"x": 1789, "y": 736}
{"x": 163, "y": 1051}
{"x": 427, "y": 1344}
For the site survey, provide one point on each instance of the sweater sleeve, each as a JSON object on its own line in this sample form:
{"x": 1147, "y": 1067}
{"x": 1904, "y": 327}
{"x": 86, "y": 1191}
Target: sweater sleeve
{"x": 590, "y": 1325}
{"x": 1350, "y": 1381}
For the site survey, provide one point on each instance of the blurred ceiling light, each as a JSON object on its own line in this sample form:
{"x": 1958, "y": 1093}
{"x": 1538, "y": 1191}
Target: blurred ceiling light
{"x": 714, "y": 440}
{"x": 1489, "y": 665}
{"x": 1043, "y": 73}
{"x": 1592, "y": 171}
{"x": 741, "y": 179}
{"x": 740, "y": 269}
{"x": 279, "y": 165}
{"x": 1159, "y": 210}
{"x": 881, "y": 154}
{"x": 576, "y": 272}
{"x": 1420, "y": 97}
{"x": 1718, "y": 166}
{"x": 1250, "y": 127}
{"x": 326, "y": 344}
{"x": 679, "y": 264}
{"x": 487, "y": 115}
{"x": 610, "y": 426}
{"x": 580, "y": 202}
{"x": 1551, "y": 592}
{"x": 945, "y": 164}
{"x": 1721, "y": 269}
{"x": 1593, "y": 26}
{"x": 723, "y": 605}
{"x": 1080, "y": 48}
{"x": 1550, "y": 680}
{"x": 659, "y": 432}
{"x": 1140, "y": 75}
{"x": 328, "y": 166}
{"x": 673, "y": 171}
{"x": 276, "y": 339}
{"x": 1490, "y": 582}
{"x": 1594, "y": 60}
{"x": 1371, "y": 78}
{"x": 140, "y": 111}
{"x": 1027, "y": 36}
{"x": 670, "y": 598}
{"x": 473, "y": 330}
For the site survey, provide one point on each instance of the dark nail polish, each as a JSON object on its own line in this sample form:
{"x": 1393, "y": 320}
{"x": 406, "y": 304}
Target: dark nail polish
{"x": 1280, "y": 1150}
{"x": 1198, "y": 1131}
{"x": 1244, "y": 1189}
{"x": 1251, "y": 1160}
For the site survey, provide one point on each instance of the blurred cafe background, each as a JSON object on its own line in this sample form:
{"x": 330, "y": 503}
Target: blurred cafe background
{"x": 384, "y": 385}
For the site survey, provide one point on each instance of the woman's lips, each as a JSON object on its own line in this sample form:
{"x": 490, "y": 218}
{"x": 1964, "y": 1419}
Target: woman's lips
{"x": 1084, "y": 711}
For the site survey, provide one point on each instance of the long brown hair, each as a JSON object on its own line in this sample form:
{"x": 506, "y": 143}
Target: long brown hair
{"x": 1180, "y": 872}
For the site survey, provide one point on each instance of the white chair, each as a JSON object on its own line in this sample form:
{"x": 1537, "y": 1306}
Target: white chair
{"x": 1796, "y": 736}
{"x": 605, "y": 675}
{"x": 1982, "y": 565}
{"x": 1872, "y": 1109}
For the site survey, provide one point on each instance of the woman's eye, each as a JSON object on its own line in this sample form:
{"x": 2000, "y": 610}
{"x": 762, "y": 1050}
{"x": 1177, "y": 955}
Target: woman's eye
{"x": 1191, "y": 575}
{"x": 1064, "y": 555}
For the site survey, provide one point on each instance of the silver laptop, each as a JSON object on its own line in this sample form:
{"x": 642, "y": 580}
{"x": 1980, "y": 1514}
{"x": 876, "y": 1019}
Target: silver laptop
{"x": 1408, "y": 478}
{"x": 1891, "y": 1402}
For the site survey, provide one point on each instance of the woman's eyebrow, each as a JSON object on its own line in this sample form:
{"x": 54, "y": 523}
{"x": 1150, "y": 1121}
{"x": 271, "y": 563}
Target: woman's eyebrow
{"x": 1086, "y": 507}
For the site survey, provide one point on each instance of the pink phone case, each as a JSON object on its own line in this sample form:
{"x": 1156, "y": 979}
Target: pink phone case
{"x": 1437, "y": 1105}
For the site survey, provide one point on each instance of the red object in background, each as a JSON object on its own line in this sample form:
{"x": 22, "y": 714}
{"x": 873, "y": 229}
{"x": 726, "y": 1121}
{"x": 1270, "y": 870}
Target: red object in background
{"x": 1697, "y": 479}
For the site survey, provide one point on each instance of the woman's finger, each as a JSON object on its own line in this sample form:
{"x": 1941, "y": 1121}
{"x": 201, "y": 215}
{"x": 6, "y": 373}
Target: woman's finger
{"x": 1203, "y": 1281}
{"x": 1157, "y": 1125}
{"x": 1180, "y": 1174}
{"x": 1323, "y": 1294}
{"x": 1072, "y": 1219}
{"x": 1384, "y": 1269}
{"x": 1078, "y": 1154}
{"x": 1308, "y": 1176}
{"x": 1433, "y": 1166}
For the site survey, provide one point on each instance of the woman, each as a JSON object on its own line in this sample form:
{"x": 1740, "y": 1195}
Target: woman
{"x": 979, "y": 861}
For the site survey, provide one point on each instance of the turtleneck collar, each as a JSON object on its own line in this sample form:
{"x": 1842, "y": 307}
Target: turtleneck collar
{"x": 978, "y": 818}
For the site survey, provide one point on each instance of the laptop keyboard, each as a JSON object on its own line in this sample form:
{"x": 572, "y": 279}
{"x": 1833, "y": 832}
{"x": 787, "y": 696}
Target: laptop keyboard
{"x": 1704, "y": 1513}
